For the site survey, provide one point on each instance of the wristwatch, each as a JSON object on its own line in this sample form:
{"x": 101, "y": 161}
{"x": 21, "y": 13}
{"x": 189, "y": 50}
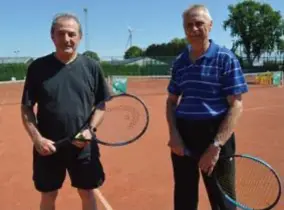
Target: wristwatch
{"x": 217, "y": 144}
{"x": 92, "y": 129}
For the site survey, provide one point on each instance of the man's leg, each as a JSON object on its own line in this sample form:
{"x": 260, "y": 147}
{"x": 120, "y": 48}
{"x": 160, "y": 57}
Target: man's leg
{"x": 88, "y": 199}
{"x": 48, "y": 175}
{"x": 86, "y": 173}
{"x": 216, "y": 198}
{"x": 48, "y": 199}
{"x": 186, "y": 178}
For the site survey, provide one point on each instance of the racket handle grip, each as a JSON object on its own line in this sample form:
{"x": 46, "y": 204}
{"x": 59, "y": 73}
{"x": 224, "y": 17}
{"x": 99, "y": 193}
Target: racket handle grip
{"x": 61, "y": 142}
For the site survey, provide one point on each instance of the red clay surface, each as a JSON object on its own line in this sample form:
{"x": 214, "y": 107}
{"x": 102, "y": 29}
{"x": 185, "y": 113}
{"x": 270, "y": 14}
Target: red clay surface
{"x": 138, "y": 176}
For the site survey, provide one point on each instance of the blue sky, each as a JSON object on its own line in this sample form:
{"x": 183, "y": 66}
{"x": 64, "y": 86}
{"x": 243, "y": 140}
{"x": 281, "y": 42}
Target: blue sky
{"x": 25, "y": 24}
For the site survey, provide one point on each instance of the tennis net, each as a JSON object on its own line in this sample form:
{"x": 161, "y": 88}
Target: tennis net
{"x": 157, "y": 85}
{"x": 11, "y": 91}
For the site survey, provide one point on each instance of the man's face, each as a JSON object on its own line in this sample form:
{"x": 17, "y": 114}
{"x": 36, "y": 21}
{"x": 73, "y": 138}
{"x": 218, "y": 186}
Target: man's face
{"x": 197, "y": 26}
{"x": 66, "y": 36}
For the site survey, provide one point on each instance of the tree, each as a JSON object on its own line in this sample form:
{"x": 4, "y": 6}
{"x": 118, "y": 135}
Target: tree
{"x": 280, "y": 46}
{"x": 157, "y": 51}
{"x": 255, "y": 26}
{"x": 176, "y": 46}
{"x": 178, "y": 41}
{"x": 172, "y": 48}
{"x": 92, "y": 55}
{"x": 133, "y": 52}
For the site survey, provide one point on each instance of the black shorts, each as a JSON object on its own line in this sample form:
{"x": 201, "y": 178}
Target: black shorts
{"x": 83, "y": 166}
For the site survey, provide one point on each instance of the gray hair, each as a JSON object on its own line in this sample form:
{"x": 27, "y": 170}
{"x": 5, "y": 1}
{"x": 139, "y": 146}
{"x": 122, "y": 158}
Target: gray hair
{"x": 65, "y": 16}
{"x": 198, "y": 7}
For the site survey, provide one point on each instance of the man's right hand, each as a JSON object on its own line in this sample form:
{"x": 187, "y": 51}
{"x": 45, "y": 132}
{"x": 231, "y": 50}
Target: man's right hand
{"x": 176, "y": 144}
{"x": 44, "y": 146}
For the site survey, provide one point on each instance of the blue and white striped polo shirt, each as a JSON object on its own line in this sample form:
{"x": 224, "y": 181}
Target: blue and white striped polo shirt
{"x": 205, "y": 84}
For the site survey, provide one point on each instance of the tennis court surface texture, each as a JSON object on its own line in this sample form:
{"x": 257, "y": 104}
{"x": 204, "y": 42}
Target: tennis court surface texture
{"x": 138, "y": 176}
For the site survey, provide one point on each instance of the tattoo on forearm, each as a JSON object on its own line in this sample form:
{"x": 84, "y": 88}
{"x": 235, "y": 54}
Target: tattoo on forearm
{"x": 29, "y": 121}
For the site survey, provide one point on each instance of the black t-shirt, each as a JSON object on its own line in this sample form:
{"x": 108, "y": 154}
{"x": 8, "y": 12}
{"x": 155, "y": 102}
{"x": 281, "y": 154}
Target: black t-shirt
{"x": 64, "y": 93}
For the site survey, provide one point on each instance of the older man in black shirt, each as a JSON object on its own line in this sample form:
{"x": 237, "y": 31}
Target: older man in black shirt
{"x": 65, "y": 86}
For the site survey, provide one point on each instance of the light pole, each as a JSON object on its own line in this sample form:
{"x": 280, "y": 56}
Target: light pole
{"x": 17, "y": 52}
{"x": 86, "y": 29}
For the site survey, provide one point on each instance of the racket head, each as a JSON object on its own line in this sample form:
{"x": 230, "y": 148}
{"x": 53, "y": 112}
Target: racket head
{"x": 248, "y": 182}
{"x": 126, "y": 119}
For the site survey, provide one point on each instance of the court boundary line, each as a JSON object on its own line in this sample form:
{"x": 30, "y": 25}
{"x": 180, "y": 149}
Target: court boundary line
{"x": 12, "y": 81}
{"x": 104, "y": 201}
{"x": 263, "y": 107}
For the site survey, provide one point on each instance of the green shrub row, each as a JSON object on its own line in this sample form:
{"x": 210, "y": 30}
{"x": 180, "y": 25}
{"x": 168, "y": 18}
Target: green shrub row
{"x": 18, "y": 71}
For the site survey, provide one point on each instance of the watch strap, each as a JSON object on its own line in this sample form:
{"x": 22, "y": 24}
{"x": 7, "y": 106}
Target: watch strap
{"x": 92, "y": 129}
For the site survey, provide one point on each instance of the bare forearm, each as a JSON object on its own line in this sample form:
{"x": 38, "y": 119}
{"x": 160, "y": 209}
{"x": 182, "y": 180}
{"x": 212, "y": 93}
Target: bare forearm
{"x": 228, "y": 125}
{"x": 29, "y": 122}
{"x": 97, "y": 118}
{"x": 170, "y": 113}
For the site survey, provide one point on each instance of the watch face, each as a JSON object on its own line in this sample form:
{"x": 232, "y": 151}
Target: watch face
{"x": 217, "y": 144}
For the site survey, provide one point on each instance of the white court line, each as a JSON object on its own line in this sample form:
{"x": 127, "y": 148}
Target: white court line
{"x": 263, "y": 107}
{"x": 103, "y": 200}
{"x": 11, "y": 81}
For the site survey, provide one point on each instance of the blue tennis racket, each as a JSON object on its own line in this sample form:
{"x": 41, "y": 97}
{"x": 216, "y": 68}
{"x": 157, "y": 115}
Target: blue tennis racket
{"x": 247, "y": 182}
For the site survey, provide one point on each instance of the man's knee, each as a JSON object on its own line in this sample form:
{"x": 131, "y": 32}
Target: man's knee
{"x": 49, "y": 195}
{"x": 48, "y": 198}
{"x": 86, "y": 194}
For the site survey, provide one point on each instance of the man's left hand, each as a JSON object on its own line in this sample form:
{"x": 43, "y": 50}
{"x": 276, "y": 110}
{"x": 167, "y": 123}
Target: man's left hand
{"x": 209, "y": 159}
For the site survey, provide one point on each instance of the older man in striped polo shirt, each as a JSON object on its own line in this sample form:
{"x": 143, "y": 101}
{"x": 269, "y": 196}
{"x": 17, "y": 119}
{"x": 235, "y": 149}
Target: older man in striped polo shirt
{"x": 203, "y": 107}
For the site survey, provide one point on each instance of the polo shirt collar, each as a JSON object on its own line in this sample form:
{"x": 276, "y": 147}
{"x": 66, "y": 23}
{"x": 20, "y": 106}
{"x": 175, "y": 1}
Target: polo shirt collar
{"x": 211, "y": 51}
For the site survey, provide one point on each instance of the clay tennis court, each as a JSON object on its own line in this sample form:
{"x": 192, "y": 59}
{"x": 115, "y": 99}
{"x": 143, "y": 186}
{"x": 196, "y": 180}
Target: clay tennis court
{"x": 138, "y": 176}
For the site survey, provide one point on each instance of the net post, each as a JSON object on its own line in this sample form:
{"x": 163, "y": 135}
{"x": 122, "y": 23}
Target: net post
{"x": 277, "y": 79}
{"x": 282, "y": 78}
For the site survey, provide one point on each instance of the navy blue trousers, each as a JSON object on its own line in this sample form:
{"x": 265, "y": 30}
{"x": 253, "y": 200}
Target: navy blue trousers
{"x": 197, "y": 136}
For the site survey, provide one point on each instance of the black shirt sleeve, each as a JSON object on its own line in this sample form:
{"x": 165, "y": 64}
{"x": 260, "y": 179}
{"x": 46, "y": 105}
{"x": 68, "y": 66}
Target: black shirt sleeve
{"x": 102, "y": 91}
{"x": 29, "y": 90}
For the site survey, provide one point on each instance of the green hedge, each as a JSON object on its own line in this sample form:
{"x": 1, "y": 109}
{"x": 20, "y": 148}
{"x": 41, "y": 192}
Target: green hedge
{"x": 273, "y": 65}
{"x": 135, "y": 70}
{"x": 7, "y": 71}
{"x": 269, "y": 64}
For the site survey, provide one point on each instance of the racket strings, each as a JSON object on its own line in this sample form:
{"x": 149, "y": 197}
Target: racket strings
{"x": 124, "y": 120}
{"x": 252, "y": 185}
{"x": 131, "y": 115}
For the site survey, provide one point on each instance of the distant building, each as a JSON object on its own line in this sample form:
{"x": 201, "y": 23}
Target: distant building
{"x": 140, "y": 61}
{"x": 7, "y": 60}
